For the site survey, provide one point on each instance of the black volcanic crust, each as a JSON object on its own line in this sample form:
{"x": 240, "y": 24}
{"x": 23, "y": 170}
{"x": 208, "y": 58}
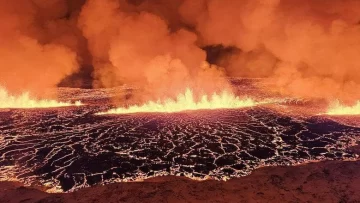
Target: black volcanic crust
{"x": 72, "y": 148}
{"x": 331, "y": 181}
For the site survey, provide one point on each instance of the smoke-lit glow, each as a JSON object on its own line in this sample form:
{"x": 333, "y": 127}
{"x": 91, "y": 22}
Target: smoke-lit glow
{"x": 301, "y": 45}
{"x": 186, "y": 101}
{"x": 336, "y": 108}
{"x": 24, "y": 101}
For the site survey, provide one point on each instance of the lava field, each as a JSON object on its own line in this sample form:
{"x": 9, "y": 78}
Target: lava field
{"x": 70, "y": 148}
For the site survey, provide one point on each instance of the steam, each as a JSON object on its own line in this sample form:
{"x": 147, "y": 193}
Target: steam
{"x": 138, "y": 48}
{"x": 305, "y": 49}
{"x": 31, "y": 59}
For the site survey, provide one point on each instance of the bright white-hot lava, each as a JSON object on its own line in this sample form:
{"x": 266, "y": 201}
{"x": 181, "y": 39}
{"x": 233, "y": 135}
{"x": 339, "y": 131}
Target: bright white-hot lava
{"x": 336, "y": 108}
{"x": 186, "y": 101}
{"x": 24, "y": 101}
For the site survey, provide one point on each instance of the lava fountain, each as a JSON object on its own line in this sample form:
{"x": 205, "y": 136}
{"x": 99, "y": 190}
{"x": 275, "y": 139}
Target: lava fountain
{"x": 24, "y": 101}
{"x": 186, "y": 102}
{"x": 336, "y": 108}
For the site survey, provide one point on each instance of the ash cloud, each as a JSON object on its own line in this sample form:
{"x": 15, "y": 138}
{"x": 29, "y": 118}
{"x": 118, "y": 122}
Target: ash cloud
{"x": 306, "y": 49}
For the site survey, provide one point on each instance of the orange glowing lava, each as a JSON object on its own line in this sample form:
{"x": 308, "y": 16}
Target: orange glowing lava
{"x": 336, "y": 108}
{"x": 186, "y": 101}
{"x": 24, "y": 101}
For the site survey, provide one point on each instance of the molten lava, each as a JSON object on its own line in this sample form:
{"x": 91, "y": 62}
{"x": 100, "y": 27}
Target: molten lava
{"x": 336, "y": 108}
{"x": 25, "y": 101}
{"x": 185, "y": 102}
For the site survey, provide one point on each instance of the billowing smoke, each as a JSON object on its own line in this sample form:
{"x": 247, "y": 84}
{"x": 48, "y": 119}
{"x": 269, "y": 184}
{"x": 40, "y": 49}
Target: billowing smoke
{"x": 306, "y": 49}
{"x": 138, "y": 48}
{"x": 38, "y": 45}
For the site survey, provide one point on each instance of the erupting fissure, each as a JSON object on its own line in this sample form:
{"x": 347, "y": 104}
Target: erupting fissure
{"x": 186, "y": 101}
{"x": 24, "y": 101}
{"x": 336, "y": 108}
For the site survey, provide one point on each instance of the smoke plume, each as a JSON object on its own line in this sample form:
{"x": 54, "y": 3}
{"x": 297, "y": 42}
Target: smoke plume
{"x": 304, "y": 49}
{"x": 38, "y": 48}
{"x": 136, "y": 47}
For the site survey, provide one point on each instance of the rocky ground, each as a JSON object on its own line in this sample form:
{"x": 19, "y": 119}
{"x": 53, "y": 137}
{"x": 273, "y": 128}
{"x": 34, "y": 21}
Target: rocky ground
{"x": 330, "y": 181}
{"x": 71, "y": 148}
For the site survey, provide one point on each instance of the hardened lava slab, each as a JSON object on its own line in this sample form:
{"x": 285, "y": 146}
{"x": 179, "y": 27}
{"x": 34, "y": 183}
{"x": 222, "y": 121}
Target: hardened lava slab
{"x": 71, "y": 148}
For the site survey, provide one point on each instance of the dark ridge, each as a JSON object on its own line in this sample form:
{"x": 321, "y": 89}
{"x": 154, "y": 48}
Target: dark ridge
{"x": 81, "y": 79}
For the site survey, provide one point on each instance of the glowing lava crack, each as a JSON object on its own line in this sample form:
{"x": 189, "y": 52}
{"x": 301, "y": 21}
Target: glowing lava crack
{"x": 69, "y": 148}
{"x": 186, "y": 101}
{"x": 24, "y": 101}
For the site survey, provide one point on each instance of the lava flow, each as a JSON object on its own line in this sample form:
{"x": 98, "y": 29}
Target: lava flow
{"x": 24, "y": 101}
{"x": 339, "y": 109}
{"x": 185, "y": 102}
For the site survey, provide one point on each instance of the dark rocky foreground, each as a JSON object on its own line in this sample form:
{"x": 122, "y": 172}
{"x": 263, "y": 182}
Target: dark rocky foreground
{"x": 331, "y": 181}
{"x": 71, "y": 148}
